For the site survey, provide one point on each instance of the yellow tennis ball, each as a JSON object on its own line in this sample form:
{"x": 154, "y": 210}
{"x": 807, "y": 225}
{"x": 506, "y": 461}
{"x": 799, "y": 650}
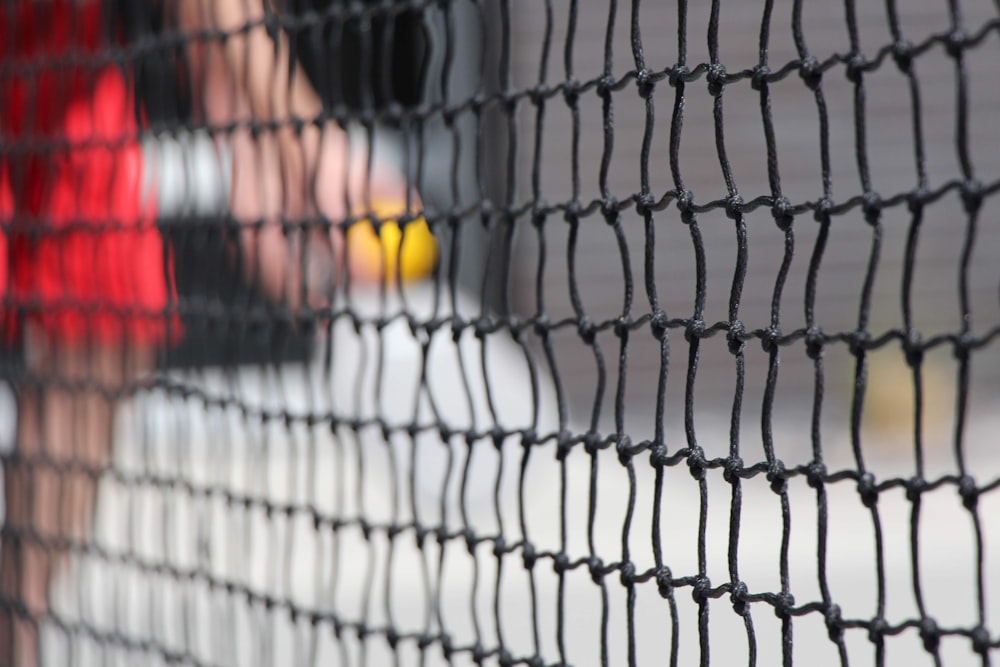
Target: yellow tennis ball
{"x": 371, "y": 253}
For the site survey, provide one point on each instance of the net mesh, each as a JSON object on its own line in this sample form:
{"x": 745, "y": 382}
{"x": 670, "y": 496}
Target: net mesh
{"x": 705, "y": 372}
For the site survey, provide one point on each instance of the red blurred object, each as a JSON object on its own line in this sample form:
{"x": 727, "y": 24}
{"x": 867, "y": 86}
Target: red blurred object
{"x": 85, "y": 259}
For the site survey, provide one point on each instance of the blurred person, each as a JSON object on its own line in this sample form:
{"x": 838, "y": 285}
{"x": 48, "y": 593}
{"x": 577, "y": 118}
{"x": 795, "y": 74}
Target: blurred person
{"x": 86, "y": 287}
{"x": 86, "y": 279}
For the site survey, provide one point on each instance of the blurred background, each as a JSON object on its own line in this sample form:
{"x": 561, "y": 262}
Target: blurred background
{"x": 218, "y": 540}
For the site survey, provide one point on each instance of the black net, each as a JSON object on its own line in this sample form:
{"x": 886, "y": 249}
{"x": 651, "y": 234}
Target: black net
{"x": 562, "y": 332}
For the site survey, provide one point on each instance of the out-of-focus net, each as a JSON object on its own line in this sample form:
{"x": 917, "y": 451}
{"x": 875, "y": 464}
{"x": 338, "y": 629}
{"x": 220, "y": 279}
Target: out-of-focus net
{"x": 707, "y": 372}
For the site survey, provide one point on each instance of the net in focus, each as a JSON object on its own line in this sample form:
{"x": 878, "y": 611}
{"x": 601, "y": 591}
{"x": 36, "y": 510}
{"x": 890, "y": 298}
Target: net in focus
{"x": 698, "y": 363}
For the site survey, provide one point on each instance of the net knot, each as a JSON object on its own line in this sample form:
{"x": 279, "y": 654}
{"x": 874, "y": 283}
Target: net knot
{"x": 784, "y": 603}
{"x": 814, "y": 343}
{"x": 644, "y": 204}
{"x": 529, "y": 438}
{"x": 592, "y": 443}
{"x": 967, "y": 489}
{"x": 447, "y": 649}
{"x": 877, "y": 628}
{"x": 856, "y": 65}
{"x": 596, "y": 567}
{"x": 759, "y": 77}
{"x": 658, "y": 456}
{"x": 659, "y": 323}
{"x": 930, "y": 635}
{"x": 776, "y": 475}
{"x": 701, "y": 589}
{"x": 538, "y": 93}
{"x": 815, "y": 474}
{"x": 664, "y": 581}
{"x": 560, "y": 563}
{"x": 871, "y": 204}
{"x": 516, "y": 328}
{"x": 458, "y": 325}
{"x": 605, "y": 86}
{"x": 781, "y": 210}
{"x": 542, "y": 326}
{"x": 623, "y": 326}
{"x": 564, "y": 445}
{"x": 685, "y": 204}
{"x": 716, "y": 78}
{"x": 834, "y": 623}
{"x": 539, "y": 215}
{"x": 731, "y": 469}
{"x": 811, "y": 72}
{"x": 497, "y": 435}
{"x": 695, "y": 330}
{"x": 955, "y": 43}
{"x": 738, "y": 597}
{"x": 528, "y": 555}
{"x": 499, "y": 546}
{"x": 980, "y": 640}
{"x": 858, "y": 342}
{"x": 571, "y": 91}
{"x": 392, "y": 637}
{"x": 486, "y": 212}
{"x": 962, "y": 346}
{"x": 470, "y": 540}
{"x": 609, "y": 209}
{"x": 824, "y": 209}
{"x": 624, "y": 449}
{"x": 477, "y": 103}
{"x": 697, "y": 463}
{"x": 902, "y": 53}
{"x": 645, "y": 82}
{"x": 771, "y": 339}
{"x": 735, "y": 337}
{"x": 627, "y": 576}
{"x": 504, "y": 659}
{"x": 483, "y": 326}
{"x": 972, "y": 195}
{"x": 913, "y": 348}
{"x": 678, "y": 74}
{"x": 734, "y": 206}
{"x": 588, "y": 332}
{"x": 868, "y": 490}
{"x": 430, "y": 328}
{"x": 915, "y": 200}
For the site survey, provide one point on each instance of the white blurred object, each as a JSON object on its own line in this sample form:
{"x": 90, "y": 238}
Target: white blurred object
{"x": 454, "y": 391}
{"x": 8, "y": 418}
{"x": 193, "y": 173}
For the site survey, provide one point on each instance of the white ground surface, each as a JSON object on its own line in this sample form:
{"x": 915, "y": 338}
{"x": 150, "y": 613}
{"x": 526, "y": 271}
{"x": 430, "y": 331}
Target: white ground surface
{"x": 155, "y": 531}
